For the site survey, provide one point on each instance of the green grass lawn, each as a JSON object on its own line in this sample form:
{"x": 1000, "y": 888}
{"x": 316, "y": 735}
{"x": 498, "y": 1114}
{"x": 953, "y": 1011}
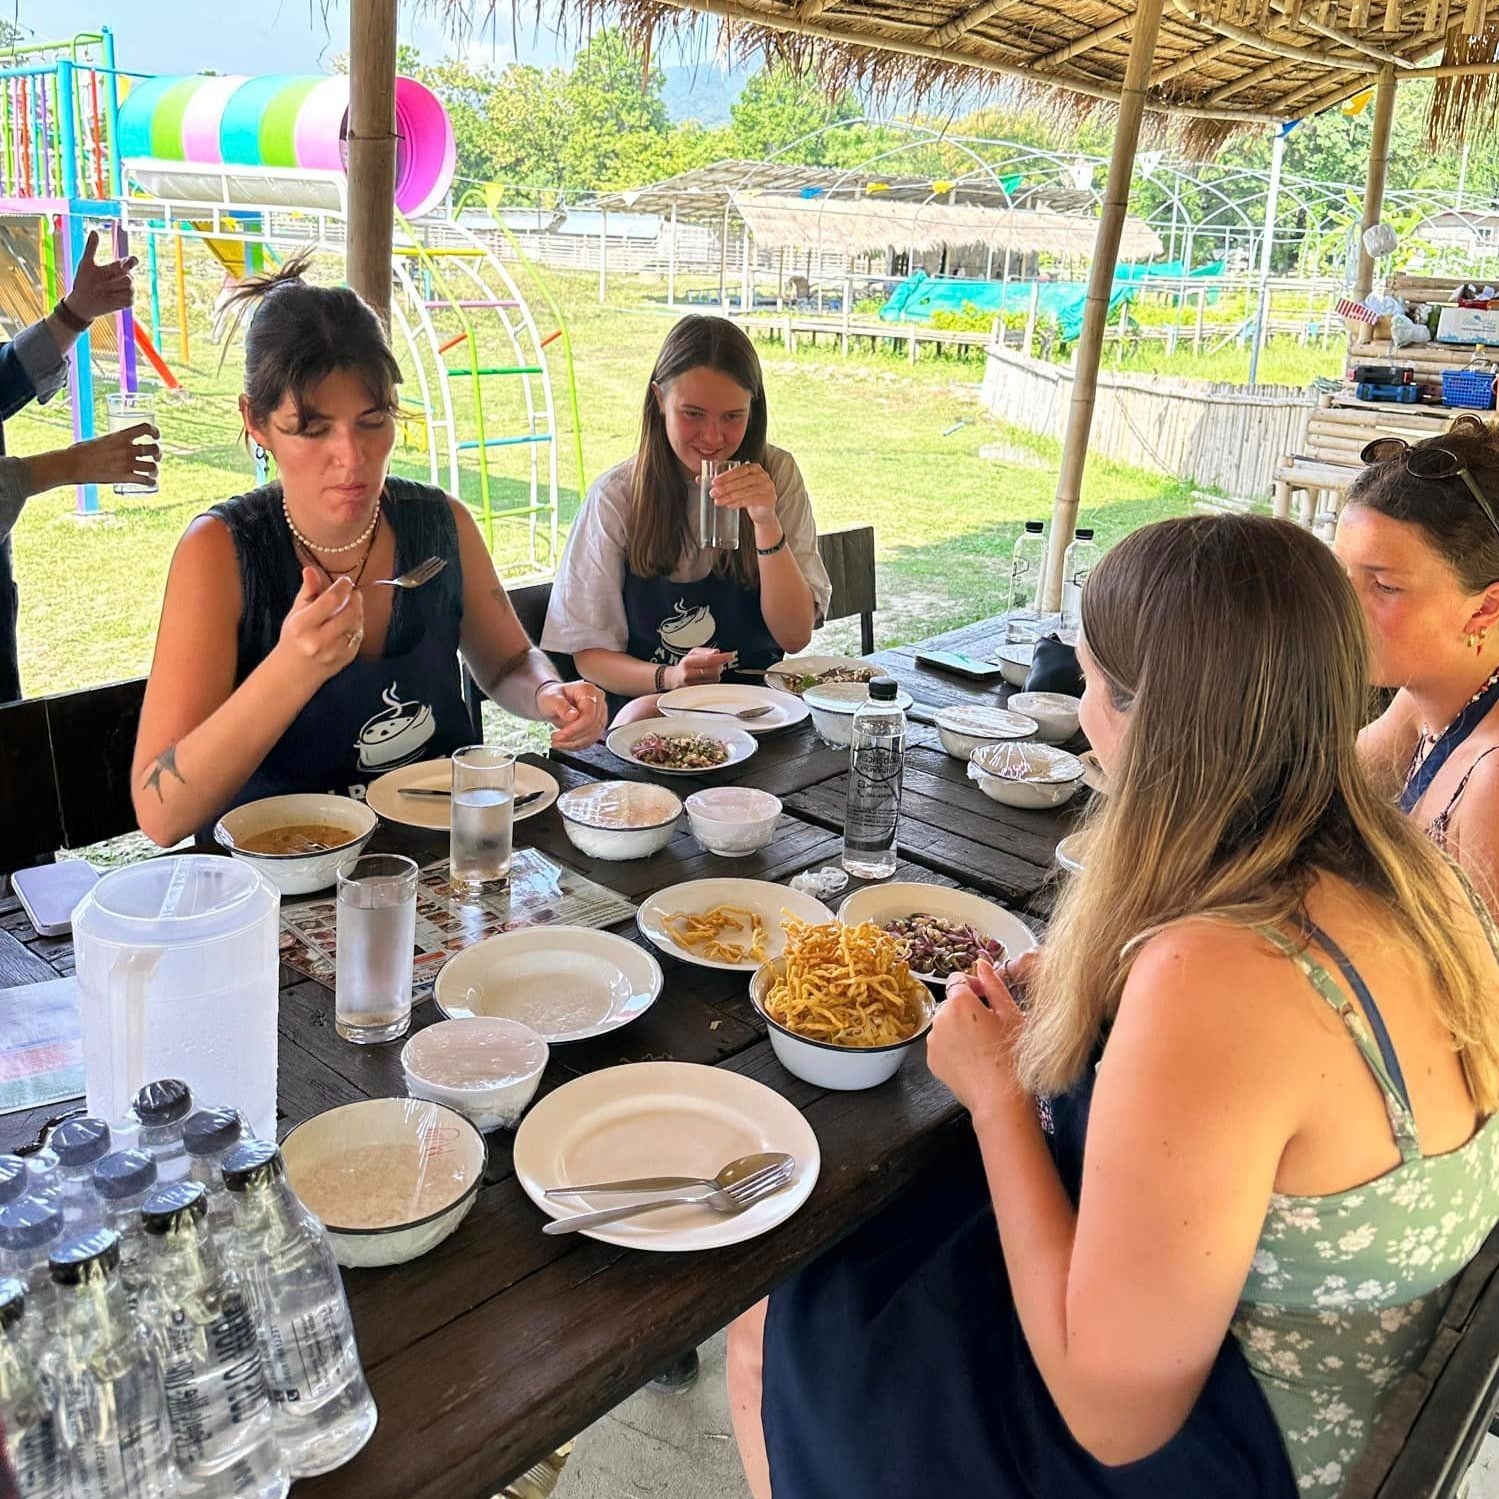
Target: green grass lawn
{"x": 866, "y": 430}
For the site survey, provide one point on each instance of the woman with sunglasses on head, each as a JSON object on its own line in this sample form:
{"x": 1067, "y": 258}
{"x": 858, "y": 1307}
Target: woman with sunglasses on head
{"x": 1419, "y": 537}
{"x": 640, "y": 603}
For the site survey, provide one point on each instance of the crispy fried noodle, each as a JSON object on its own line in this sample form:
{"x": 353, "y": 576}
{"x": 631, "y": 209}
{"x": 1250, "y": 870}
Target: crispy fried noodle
{"x": 704, "y": 930}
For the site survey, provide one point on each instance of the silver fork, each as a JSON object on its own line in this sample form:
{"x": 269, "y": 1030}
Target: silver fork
{"x": 732, "y": 1199}
{"x": 423, "y": 572}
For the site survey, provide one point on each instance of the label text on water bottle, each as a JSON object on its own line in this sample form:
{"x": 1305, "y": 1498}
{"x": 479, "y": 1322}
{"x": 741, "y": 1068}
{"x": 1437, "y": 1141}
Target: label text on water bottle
{"x": 307, "y": 1355}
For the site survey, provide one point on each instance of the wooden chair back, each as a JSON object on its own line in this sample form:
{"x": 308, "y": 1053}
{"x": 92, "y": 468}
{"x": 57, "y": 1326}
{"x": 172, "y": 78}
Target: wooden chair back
{"x": 849, "y": 558}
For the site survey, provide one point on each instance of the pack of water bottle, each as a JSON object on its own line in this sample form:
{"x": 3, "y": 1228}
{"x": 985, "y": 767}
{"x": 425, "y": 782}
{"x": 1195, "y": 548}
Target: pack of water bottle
{"x": 172, "y": 1321}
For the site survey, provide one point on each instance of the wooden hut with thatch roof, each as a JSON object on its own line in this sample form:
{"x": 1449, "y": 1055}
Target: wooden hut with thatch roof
{"x": 1201, "y": 69}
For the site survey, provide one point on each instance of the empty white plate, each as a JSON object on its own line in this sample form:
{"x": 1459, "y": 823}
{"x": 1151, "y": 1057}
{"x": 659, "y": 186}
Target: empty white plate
{"x": 566, "y": 982}
{"x": 769, "y": 901}
{"x": 882, "y": 903}
{"x": 384, "y": 796}
{"x": 663, "y": 1119}
{"x": 733, "y": 697}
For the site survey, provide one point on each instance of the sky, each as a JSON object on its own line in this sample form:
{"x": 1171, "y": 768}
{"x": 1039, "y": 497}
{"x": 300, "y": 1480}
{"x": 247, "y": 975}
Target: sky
{"x": 273, "y": 36}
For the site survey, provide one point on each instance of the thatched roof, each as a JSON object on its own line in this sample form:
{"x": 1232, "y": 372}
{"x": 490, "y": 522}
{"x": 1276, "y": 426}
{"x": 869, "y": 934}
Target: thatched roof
{"x": 873, "y": 225}
{"x": 1219, "y": 64}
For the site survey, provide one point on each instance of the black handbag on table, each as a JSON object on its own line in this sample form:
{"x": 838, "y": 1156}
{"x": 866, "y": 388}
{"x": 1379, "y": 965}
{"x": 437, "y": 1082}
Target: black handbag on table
{"x": 1054, "y": 668}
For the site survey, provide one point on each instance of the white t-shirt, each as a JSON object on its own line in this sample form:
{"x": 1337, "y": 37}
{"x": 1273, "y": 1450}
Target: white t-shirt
{"x": 587, "y": 609}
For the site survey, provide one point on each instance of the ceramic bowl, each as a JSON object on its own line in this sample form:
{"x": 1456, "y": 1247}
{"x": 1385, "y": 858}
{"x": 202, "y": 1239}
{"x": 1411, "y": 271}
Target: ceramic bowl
{"x": 619, "y": 819}
{"x": 297, "y": 874}
{"x": 963, "y": 729}
{"x": 1015, "y": 662}
{"x": 486, "y": 1067}
{"x": 845, "y": 1068}
{"x": 1072, "y": 851}
{"x": 833, "y": 708}
{"x": 390, "y": 1178}
{"x": 1055, "y": 714}
{"x": 1026, "y": 775}
{"x": 733, "y": 821}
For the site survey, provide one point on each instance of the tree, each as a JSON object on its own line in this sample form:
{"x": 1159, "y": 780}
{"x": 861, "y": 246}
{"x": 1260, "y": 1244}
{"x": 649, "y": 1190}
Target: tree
{"x": 780, "y": 108}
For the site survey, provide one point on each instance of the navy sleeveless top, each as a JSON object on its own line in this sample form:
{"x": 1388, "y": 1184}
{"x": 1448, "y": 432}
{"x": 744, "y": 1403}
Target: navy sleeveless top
{"x": 375, "y": 715}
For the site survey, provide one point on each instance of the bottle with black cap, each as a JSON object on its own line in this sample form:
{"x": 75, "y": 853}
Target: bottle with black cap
{"x": 124, "y": 1179}
{"x": 79, "y": 1144}
{"x": 876, "y": 770}
{"x": 161, "y": 1108}
{"x": 29, "y": 1424}
{"x": 14, "y": 1179}
{"x": 200, "y": 1320}
{"x": 102, "y": 1377}
{"x": 322, "y": 1406}
{"x": 1078, "y": 563}
{"x": 30, "y": 1229}
{"x": 208, "y": 1137}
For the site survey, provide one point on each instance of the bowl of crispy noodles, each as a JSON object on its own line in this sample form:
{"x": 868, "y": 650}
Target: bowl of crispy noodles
{"x": 842, "y": 1006}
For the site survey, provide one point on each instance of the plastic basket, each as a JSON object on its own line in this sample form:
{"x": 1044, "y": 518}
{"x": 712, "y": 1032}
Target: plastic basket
{"x": 1472, "y": 388}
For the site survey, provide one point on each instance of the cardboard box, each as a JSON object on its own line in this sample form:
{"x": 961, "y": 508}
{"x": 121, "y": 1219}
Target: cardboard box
{"x": 1467, "y": 325}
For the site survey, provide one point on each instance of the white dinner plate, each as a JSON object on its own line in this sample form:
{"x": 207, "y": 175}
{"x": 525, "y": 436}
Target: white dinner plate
{"x": 795, "y": 667}
{"x": 765, "y": 898}
{"x": 882, "y": 903}
{"x": 741, "y": 746}
{"x": 384, "y": 796}
{"x": 663, "y": 1119}
{"x": 733, "y": 697}
{"x": 566, "y": 982}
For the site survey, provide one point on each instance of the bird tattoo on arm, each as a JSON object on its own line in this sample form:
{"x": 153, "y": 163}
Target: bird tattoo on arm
{"x": 166, "y": 764}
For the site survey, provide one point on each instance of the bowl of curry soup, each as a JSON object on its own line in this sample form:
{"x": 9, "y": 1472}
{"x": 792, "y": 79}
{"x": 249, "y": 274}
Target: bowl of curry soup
{"x": 297, "y": 842}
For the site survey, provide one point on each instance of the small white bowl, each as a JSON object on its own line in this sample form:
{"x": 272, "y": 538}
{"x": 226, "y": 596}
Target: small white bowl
{"x": 1015, "y": 662}
{"x": 619, "y": 819}
{"x": 402, "y": 1174}
{"x": 732, "y": 821}
{"x": 1026, "y": 775}
{"x": 1055, "y": 714}
{"x": 833, "y": 708}
{"x": 297, "y": 874}
{"x": 486, "y": 1067}
{"x": 845, "y": 1068}
{"x": 1072, "y": 851}
{"x": 964, "y": 728}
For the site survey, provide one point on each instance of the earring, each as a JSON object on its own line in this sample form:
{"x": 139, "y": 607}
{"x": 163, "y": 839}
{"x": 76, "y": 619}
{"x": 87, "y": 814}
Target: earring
{"x": 1471, "y": 641}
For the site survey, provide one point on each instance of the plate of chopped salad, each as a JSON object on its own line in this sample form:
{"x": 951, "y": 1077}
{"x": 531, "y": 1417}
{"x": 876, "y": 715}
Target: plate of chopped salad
{"x": 797, "y": 673}
{"x": 681, "y": 746}
{"x": 943, "y": 930}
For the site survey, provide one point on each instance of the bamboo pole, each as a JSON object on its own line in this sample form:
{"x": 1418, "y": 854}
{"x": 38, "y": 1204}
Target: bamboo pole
{"x": 1379, "y": 163}
{"x": 1100, "y": 287}
{"x": 372, "y": 151}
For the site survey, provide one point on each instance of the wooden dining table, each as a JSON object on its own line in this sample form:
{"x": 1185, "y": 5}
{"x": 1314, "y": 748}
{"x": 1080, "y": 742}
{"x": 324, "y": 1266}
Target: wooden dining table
{"x": 500, "y": 1344}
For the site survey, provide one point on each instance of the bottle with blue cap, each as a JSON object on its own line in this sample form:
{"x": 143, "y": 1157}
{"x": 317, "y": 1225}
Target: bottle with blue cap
{"x": 30, "y": 1427}
{"x": 161, "y": 1109}
{"x": 79, "y": 1144}
{"x": 208, "y": 1137}
{"x": 30, "y": 1229}
{"x": 42, "y": 1173}
{"x": 100, "y": 1374}
{"x": 207, "y": 1338}
{"x": 322, "y": 1406}
{"x": 124, "y": 1179}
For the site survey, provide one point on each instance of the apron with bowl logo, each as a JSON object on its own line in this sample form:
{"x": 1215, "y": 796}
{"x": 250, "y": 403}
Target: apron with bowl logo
{"x": 375, "y": 715}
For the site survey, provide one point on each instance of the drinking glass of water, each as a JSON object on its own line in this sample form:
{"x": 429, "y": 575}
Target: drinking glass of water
{"x": 376, "y": 944}
{"x": 717, "y": 526}
{"x": 129, "y": 411}
{"x": 483, "y": 808}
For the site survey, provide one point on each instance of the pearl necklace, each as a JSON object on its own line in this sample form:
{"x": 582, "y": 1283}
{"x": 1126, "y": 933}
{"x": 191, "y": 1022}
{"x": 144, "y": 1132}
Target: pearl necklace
{"x": 1428, "y": 740}
{"x": 312, "y": 546}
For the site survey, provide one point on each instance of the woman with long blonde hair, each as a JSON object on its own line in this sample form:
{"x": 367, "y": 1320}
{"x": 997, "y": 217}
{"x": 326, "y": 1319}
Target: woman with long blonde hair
{"x": 1263, "y": 1044}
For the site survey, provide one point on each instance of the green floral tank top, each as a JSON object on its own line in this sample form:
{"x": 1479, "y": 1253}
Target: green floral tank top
{"x": 1346, "y": 1291}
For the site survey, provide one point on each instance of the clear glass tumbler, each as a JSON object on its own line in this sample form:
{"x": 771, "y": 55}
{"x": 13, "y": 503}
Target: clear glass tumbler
{"x": 483, "y": 815}
{"x": 376, "y": 945}
{"x": 717, "y": 527}
{"x": 129, "y": 411}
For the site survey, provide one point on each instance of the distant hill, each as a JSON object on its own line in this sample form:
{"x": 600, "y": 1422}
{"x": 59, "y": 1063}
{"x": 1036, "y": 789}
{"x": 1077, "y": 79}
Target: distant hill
{"x": 702, "y": 92}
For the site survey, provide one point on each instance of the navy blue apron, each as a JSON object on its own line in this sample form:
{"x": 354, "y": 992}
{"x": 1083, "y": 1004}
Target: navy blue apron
{"x": 895, "y": 1365}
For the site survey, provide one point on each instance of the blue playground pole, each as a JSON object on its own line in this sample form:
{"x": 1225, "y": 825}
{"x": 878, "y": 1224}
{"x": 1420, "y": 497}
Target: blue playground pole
{"x": 80, "y": 366}
{"x": 112, "y": 112}
{"x": 151, "y": 263}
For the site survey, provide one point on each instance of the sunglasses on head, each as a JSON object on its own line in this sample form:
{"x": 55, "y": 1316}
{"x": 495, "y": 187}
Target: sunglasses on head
{"x": 1432, "y": 463}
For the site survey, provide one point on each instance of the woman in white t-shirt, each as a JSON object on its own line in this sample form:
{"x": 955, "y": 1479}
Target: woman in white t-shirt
{"x": 639, "y": 603}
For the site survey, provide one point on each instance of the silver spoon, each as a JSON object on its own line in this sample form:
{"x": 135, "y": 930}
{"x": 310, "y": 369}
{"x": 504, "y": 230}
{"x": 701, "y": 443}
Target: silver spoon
{"x": 739, "y": 1185}
{"x": 740, "y": 713}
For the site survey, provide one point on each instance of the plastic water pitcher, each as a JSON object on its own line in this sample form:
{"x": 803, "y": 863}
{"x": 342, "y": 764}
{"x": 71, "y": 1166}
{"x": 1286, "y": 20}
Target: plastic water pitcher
{"x": 177, "y": 968}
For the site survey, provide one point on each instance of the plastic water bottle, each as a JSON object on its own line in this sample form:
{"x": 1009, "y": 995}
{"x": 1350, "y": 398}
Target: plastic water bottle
{"x": 208, "y": 1137}
{"x": 323, "y": 1409}
{"x": 161, "y": 1109}
{"x": 30, "y": 1229}
{"x": 877, "y": 758}
{"x": 42, "y": 1169}
{"x": 1080, "y": 560}
{"x": 124, "y": 1180}
{"x": 15, "y": 1180}
{"x": 200, "y": 1320}
{"x": 29, "y": 1424}
{"x": 80, "y": 1145}
{"x": 101, "y": 1376}
{"x": 1027, "y": 568}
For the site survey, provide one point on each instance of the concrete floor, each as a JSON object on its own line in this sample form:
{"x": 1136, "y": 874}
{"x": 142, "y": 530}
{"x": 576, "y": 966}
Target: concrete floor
{"x": 682, "y": 1447}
